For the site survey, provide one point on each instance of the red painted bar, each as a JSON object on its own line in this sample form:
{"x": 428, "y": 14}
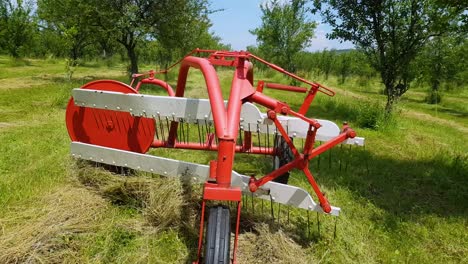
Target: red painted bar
{"x": 213, "y": 147}
{"x": 284, "y": 87}
{"x": 157, "y": 82}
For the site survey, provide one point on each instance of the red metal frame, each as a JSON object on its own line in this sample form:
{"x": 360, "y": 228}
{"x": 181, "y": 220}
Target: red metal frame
{"x": 226, "y": 123}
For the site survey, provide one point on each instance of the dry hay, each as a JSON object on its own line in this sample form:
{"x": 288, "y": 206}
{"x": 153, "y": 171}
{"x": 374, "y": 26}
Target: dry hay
{"x": 37, "y": 234}
{"x": 162, "y": 200}
{"x": 265, "y": 245}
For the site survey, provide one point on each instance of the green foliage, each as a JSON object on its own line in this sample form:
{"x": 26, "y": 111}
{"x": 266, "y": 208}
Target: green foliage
{"x": 443, "y": 64}
{"x": 390, "y": 32}
{"x": 286, "y": 29}
{"x": 16, "y": 27}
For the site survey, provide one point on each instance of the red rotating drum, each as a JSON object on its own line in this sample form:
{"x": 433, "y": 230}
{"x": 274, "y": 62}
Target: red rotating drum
{"x": 108, "y": 128}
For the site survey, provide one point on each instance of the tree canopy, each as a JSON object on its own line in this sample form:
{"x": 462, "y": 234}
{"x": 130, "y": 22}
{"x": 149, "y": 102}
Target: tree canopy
{"x": 286, "y": 29}
{"x": 391, "y": 33}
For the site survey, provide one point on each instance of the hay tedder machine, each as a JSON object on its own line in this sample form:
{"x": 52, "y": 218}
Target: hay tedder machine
{"x": 110, "y": 122}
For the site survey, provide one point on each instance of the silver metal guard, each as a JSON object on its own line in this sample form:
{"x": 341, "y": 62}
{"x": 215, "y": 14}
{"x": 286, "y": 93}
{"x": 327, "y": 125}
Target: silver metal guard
{"x": 277, "y": 192}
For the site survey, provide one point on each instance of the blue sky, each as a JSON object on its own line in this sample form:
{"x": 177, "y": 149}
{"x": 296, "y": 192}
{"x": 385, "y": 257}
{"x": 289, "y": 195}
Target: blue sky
{"x": 233, "y": 25}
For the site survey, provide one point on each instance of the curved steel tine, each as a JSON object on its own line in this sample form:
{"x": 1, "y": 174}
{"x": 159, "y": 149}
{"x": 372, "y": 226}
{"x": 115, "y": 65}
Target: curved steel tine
{"x": 318, "y": 158}
{"x": 341, "y": 155}
{"x": 156, "y": 129}
{"x": 278, "y": 215}
{"x": 167, "y": 125}
{"x": 318, "y": 223}
{"x": 271, "y": 207}
{"x": 348, "y": 156}
{"x": 268, "y": 135}
{"x": 199, "y": 132}
{"x": 161, "y": 127}
{"x": 258, "y": 138}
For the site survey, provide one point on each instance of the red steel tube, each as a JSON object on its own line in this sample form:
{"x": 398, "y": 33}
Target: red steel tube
{"x": 330, "y": 144}
{"x": 323, "y": 201}
{"x": 213, "y": 87}
{"x": 254, "y": 184}
{"x": 157, "y": 82}
{"x": 240, "y": 84}
{"x": 284, "y": 87}
{"x": 212, "y": 147}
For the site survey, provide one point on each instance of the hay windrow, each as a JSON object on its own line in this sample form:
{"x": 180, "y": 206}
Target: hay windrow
{"x": 37, "y": 234}
{"x": 270, "y": 246}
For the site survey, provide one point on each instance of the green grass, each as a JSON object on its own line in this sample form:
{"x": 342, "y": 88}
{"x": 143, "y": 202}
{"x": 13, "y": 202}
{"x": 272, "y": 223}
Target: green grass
{"x": 404, "y": 197}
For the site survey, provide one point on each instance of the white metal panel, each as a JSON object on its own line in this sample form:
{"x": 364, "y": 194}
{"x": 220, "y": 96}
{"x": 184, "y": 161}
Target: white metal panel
{"x": 277, "y": 192}
{"x": 199, "y": 111}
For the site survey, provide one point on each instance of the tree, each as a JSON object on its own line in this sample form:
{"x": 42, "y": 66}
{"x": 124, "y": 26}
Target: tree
{"x": 390, "y": 32}
{"x": 327, "y": 62}
{"x": 174, "y": 24}
{"x": 16, "y": 26}
{"x": 286, "y": 29}
{"x": 181, "y": 33}
{"x": 443, "y": 61}
{"x": 71, "y": 19}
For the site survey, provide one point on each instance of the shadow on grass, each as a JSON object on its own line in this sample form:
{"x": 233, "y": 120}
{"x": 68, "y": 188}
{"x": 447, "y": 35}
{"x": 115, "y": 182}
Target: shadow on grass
{"x": 405, "y": 188}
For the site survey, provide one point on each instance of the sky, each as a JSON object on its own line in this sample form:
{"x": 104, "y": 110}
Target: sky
{"x": 239, "y": 16}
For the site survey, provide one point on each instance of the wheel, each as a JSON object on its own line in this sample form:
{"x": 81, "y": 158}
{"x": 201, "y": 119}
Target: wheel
{"x": 283, "y": 156}
{"x": 218, "y": 236}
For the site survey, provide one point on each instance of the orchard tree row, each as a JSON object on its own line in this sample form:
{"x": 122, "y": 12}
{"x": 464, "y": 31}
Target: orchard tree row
{"x": 76, "y": 29}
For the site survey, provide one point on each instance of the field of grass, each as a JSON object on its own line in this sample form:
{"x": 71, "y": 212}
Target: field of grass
{"x": 404, "y": 197}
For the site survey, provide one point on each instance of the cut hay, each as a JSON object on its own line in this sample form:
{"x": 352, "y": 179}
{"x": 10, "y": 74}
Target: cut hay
{"x": 37, "y": 234}
{"x": 270, "y": 246}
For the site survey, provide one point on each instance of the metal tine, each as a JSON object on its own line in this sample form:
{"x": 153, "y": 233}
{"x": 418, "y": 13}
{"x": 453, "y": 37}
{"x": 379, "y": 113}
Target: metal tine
{"x": 341, "y": 155}
{"x": 188, "y": 131}
{"x": 199, "y": 132}
{"x": 250, "y": 136}
{"x": 167, "y": 125}
{"x": 240, "y": 136}
{"x": 278, "y": 215}
{"x": 206, "y": 127}
{"x": 203, "y": 133}
{"x": 318, "y": 223}
{"x": 348, "y": 156}
{"x": 161, "y": 127}
{"x": 258, "y": 138}
{"x": 288, "y": 208}
{"x": 329, "y": 158}
{"x": 181, "y": 124}
{"x": 180, "y": 135}
{"x": 318, "y": 159}
{"x": 268, "y": 135}
{"x": 156, "y": 128}
{"x": 334, "y": 231}
{"x": 253, "y": 205}
{"x": 271, "y": 207}
{"x": 308, "y": 224}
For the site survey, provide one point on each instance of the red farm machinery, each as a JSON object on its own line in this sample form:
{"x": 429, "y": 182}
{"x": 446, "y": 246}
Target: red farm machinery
{"x": 110, "y": 122}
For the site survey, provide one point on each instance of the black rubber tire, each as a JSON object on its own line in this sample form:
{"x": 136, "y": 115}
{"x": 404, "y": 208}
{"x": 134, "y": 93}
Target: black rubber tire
{"x": 283, "y": 156}
{"x": 218, "y": 236}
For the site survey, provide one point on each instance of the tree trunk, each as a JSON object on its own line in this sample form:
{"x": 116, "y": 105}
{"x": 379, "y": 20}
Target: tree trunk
{"x": 390, "y": 99}
{"x": 133, "y": 59}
